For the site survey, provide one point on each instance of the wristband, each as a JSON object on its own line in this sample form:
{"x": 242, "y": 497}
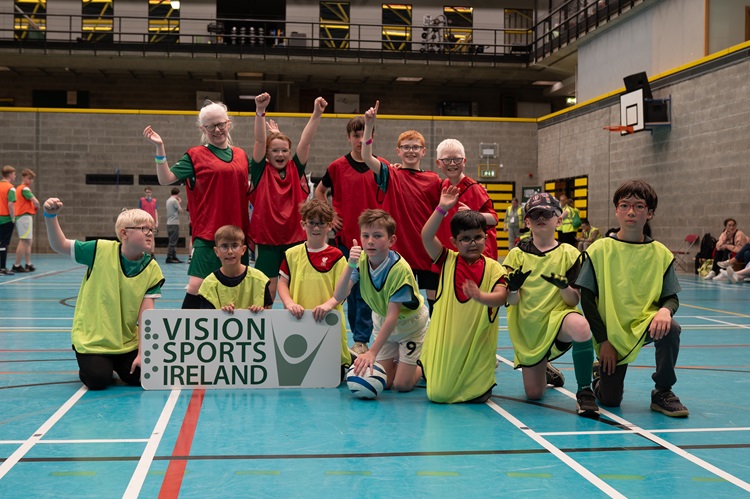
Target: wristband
{"x": 368, "y": 141}
{"x": 49, "y": 215}
{"x": 260, "y": 114}
{"x": 514, "y": 292}
{"x": 441, "y": 211}
{"x": 352, "y": 264}
{"x": 160, "y": 159}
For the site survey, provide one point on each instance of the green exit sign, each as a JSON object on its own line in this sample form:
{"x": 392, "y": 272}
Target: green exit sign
{"x": 485, "y": 172}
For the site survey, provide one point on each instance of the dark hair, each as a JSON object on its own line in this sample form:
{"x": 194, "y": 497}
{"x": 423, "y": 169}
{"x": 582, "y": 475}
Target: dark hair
{"x": 372, "y": 217}
{"x": 467, "y": 220}
{"x": 585, "y": 221}
{"x": 356, "y": 124}
{"x": 729, "y": 220}
{"x": 175, "y": 190}
{"x": 638, "y": 189}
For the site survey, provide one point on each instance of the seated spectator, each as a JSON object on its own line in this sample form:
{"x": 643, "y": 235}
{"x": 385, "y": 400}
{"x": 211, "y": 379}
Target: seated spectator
{"x": 730, "y": 242}
{"x": 589, "y": 234}
{"x": 742, "y": 256}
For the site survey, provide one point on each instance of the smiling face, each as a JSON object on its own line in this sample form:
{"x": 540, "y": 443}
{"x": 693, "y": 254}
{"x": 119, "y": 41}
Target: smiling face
{"x": 452, "y": 163}
{"x": 411, "y": 152}
{"x": 375, "y": 243}
{"x": 278, "y": 153}
{"x": 215, "y": 124}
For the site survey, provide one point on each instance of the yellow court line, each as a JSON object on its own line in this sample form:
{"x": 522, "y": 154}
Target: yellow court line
{"x": 715, "y": 310}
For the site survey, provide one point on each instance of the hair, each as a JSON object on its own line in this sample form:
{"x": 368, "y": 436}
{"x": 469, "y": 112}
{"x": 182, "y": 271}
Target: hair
{"x": 315, "y": 208}
{"x": 638, "y": 189}
{"x": 7, "y": 170}
{"x": 729, "y": 220}
{"x": 130, "y": 218}
{"x": 209, "y": 106}
{"x": 515, "y": 199}
{"x": 467, "y": 220}
{"x": 28, "y": 172}
{"x": 148, "y": 189}
{"x": 356, "y": 124}
{"x": 450, "y": 144}
{"x": 280, "y": 136}
{"x": 229, "y": 233}
{"x": 369, "y": 218}
{"x": 585, "y": 221}
{"x": 175, "y": 190}
{"x": 410, "y": 135}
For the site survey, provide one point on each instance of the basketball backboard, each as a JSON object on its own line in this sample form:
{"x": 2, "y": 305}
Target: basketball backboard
{"x": 632, "y": 109}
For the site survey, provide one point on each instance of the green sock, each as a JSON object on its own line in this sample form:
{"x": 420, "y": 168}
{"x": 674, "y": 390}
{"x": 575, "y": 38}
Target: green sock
{"x": 583, "y": 359}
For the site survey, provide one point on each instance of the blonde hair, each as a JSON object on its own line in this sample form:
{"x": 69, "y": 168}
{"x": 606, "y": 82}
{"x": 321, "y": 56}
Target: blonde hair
{"x": 209, "y": 106}
{"x": 452, "y": 144}
{"x": 229, "y": 233}
{"x": 132, "y": 218}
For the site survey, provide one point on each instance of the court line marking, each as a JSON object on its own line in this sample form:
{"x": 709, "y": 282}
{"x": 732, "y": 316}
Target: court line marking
{"x": 569, "y": 461}
{"x": 714, "y": 310}
{"x": 741, "y": 326}
{"x": 617, "y": 432}
{"x": 659, "y": 441}
{"x": 144, "y": 463}
{"x": 39, "y": 433}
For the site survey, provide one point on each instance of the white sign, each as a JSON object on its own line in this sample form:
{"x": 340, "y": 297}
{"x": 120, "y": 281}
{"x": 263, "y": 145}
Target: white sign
{"x": 214, "y": 349}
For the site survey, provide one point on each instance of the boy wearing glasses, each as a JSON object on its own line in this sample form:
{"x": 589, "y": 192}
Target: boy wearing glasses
{"x": 458, "y": 357}
{"x": 629, "y": 295}
{"x": 122, "y": 280}
{"x": 310, "y": 271}
{"x": 234, "y": 285}
{"x": 543, "y": 318}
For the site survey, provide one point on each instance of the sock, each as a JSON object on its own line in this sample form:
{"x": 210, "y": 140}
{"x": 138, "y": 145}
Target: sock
{"x": 430, "y": 305}
{"x": 191, "y": 301}
{"x": 583, "y": 360}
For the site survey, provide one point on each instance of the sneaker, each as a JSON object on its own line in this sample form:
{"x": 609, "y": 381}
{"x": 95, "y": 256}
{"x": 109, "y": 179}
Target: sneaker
{"x": 30, "y": 268}
{"x": 18, "y": 268}
{"x": 359, "y": 348}
{"x": 666, "y": 402}
{"x": 586, "y": 403}
{"x": 171, "y": 260}
{"x": 177, "y": 260}
{"x": 724, "y": 264}
{"x": 732, "y": 276}
{"x": 554, "y": 376}
{"x": 710, "y": 275}
{"x": 721, "y": 277}
{"x": 6, "y": 272}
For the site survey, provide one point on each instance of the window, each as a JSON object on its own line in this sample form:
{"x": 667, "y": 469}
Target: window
{"x": 396, "y": 26}
{"x": 334, "y": 25}
{"x": 30, "y": 21}
{"x": 97, "y": 20}
{"x": 163, "y": 21}
{"x": 459, "y": 21}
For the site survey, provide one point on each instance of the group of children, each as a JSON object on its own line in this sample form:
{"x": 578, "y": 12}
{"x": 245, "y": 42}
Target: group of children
{"x": 626, "y": 283}
{"x": 18, "y": 206}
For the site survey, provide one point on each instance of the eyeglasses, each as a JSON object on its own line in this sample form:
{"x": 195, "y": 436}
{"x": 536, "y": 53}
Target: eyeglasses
{"x": 537, "y": 214}
{"x": 310, "y": 224}
{"x": 146, "y": 230}
{"x": 451, "y": 161}
{"x": 226, "y": 247}
{"x": 221, "y": 126}
{"x": 411, "y": 148}
{"x": 637, "y": 207}
{"x": 479, "y": 239}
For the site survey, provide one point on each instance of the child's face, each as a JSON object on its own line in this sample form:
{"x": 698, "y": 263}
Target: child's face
{"x": 375, "y": 242}
{"x": 355, "y": 141}
{"x": 135, "y": 238}
{"x": 28, "y": 180}
{"x": 411, "y": 152}
{"x": 229, "y": 252}
{"x": 452, "y": 169}
{"x": 542, "y": 221}
{"x": 219, "y": 121}
{"x": 632, "y": 213}
{"x": 278, "y": 153}
{"x": 470, "y": 243}
{"x": 148, "y": 194}
{"x": 317, "y": 231}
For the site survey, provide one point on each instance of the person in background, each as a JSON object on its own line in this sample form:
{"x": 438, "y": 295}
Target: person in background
{"x": 7, "y": 215}
{"x": 513, "y": 222}
{"x": 174, "y": 209}
{"x": 25, "y": 208}
{"x": 589, "y": 234}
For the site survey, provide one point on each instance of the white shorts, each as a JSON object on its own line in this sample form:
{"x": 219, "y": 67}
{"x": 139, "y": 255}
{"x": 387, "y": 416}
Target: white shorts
{"x": 25, "y": 227}
{"x": 405, "y": 342}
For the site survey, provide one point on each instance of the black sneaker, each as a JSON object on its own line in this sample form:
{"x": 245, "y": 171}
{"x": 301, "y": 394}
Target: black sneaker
{"x": 6, "y": 272}
{"x": 30, "y": 268}
{"x": 554, "y": 376}
{"x": 586, "y": 403}
{"x": 18, "y": 269}
{"x": 666, "y": 402}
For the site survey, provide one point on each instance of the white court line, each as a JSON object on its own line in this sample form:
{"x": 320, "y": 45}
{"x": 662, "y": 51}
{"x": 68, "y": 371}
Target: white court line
{"x": 742, "y": 326}
{"x": 97, "y": 441}
{"x": 618, "y": 432}
{"x": 144, "y": 463}
{"x": 66, "y": 318}
{"x": 659, "y": 441}
{"x": 572, "y": 463}
{"x": 31, "y": 441}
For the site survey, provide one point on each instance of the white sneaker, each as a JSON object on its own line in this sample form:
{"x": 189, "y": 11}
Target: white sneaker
{"x": 710, "y": 275}
{"x": 723, "y": 264}
{"x": 722, "y": 276}
{"x": 732, "y": 276}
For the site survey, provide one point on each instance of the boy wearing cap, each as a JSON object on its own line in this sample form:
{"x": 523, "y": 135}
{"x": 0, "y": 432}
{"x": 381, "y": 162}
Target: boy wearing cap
{"x": 543, "y": 318}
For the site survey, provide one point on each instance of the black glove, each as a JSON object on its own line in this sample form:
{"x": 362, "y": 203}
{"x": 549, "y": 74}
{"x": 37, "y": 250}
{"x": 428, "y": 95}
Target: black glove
{"x": 517, "y": 278}
{"x": 557, "y": 279}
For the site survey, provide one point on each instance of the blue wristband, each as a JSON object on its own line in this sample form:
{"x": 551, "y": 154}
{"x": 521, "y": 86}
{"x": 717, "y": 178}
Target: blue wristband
{"x": 49, "y": 215}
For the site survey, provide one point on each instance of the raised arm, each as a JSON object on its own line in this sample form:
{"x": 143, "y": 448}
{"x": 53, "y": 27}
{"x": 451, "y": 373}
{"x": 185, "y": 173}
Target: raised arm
{"x": 163, "y": 173}
{"x": 259, "y": 149}
{"x": 57, "y": 239}
{"x": 303, "y": 147}
{"x": 371, "y": 115}
{"x": 345, "y": 284}
{"x": 448, "y": 199}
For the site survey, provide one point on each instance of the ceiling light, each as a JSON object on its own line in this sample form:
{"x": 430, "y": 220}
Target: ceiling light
{"x": 545, "y": 83}
{"x": 175, "y": 4}
{"x": 410, "y": 79}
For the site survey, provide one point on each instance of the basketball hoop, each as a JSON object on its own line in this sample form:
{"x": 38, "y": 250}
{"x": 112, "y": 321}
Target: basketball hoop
{"x": 623, "y": 129}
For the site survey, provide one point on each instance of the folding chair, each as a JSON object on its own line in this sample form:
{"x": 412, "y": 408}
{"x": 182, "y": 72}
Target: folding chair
{"x": 680, "y": 254}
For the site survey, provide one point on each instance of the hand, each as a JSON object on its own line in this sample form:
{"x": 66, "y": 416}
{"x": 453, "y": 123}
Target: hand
{"x": 35, "y": 202}
{"x": 557, "y": 279}
{"x": 471, "y": 289}
{"x": 53, "y": 205}
{"x": 517, "y": 278}
{"x": 320, "y": 312}
{"x": 338, "y": 223}
{"x": 356, "y": 252}
{"x": 660, "y": 324}
{"x": 272, "y": 126}
{"x": 228, "y": 308}
{"x": 364, "y": 362}
{"x": 255, "y": 308}
{"x": 372, "y": 114}
{"x": 607, "y": 358}
{"x": 153, "y": 137}
{"x": 136, "y": 363}
{"x": 462, "y": 206}
{"x": 261, "y": 102}
{"x": 449, "y": 197}
{"x": 320, "y": 105}
{"x": 296, "y": 310}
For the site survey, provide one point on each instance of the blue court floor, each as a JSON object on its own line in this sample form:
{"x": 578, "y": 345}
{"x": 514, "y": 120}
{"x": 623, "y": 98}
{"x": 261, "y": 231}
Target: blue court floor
{"x": 59, "y": 440}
